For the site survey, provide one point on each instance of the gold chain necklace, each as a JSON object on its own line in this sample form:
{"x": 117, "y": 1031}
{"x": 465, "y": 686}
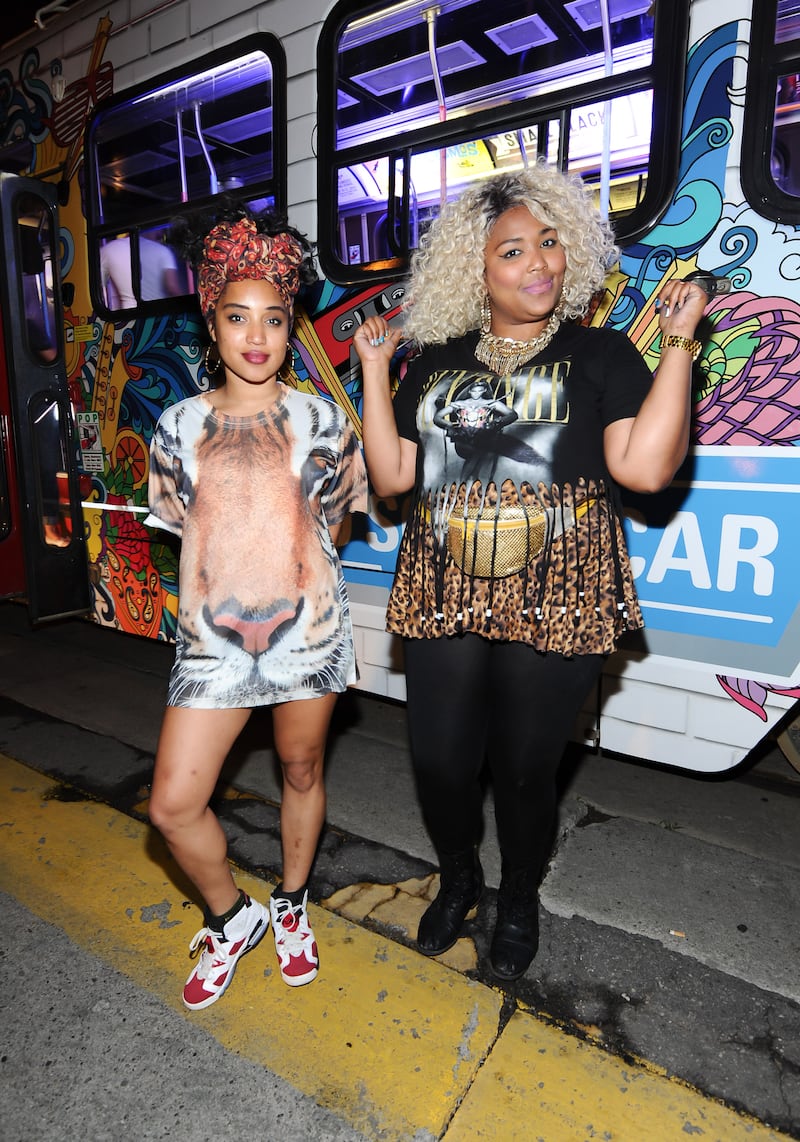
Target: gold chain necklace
{"x": 503, "y": 354}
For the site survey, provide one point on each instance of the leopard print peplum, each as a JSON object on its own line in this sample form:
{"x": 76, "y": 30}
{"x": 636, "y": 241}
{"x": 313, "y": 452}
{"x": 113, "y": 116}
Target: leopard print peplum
{"x": 577, "y": 596}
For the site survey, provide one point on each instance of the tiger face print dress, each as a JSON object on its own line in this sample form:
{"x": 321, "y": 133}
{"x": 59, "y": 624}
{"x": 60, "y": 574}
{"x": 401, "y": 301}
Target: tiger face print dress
{"x": 263, "y": 612}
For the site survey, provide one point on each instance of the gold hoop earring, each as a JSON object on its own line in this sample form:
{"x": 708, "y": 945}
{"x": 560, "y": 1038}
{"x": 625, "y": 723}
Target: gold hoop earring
{"x": 287, "y": 367}
{"x": 211, "y": 372}
{"x": 486, "y": 314}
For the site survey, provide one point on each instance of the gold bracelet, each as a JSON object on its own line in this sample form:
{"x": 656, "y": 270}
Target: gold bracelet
{"x": 693, "y": 347}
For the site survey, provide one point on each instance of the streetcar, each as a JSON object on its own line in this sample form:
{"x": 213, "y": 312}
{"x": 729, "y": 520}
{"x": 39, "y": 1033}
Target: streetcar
{"x": 361, "y": 120}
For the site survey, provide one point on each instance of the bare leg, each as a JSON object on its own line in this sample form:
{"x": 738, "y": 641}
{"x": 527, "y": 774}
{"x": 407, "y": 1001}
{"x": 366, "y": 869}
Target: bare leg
{"x": 192, "y": 748}
{"x": 301, "y": 730}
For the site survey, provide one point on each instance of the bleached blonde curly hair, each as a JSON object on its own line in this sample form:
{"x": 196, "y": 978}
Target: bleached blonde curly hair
{"x": 447, "y": 270}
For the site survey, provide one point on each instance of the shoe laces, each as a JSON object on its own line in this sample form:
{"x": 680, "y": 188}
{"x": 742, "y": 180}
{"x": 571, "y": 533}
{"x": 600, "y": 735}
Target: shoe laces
{"x": 205, "y": 942}
{"x": 293, "y": 925}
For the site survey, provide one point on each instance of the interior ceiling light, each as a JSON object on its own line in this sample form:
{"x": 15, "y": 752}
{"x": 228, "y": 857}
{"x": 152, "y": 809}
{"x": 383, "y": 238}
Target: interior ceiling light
{"x": 245, "y": 127}
{"x": 398, "y": 17}
{"x": 587, "y": 14}
{"x": 519, "y": 35}
{"x": 246, "y": 71}
{"x": 417, "y": 69}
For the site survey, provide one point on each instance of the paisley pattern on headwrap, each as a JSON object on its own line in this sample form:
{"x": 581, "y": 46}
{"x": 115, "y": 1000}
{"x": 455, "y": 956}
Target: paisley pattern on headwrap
{"x": 235, "y": 251}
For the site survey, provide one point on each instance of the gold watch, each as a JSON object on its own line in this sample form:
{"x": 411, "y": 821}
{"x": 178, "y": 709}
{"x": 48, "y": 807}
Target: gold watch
{"x": 693, "y": 347}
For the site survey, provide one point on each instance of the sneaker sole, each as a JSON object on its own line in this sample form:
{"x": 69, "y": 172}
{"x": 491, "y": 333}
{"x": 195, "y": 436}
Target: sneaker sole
{"x": 300, "y": 980}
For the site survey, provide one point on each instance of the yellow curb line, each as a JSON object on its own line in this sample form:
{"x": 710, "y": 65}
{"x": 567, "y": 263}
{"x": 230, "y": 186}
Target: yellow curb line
{"x": 383, "y": 1037}
{"x": 542, "y": 1085}
{"x": 399, "y": 1046}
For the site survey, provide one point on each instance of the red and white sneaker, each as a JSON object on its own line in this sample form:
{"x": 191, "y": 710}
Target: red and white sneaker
{"x": 294, "y": 940}
{"x": 221, "y": 952}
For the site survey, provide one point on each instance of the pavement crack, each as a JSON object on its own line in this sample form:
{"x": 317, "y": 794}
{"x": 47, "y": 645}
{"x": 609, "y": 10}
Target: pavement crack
{"x": 593, "y": 816}
{"x": 507, "y": 1009}
{"x": 787, "y": 1070}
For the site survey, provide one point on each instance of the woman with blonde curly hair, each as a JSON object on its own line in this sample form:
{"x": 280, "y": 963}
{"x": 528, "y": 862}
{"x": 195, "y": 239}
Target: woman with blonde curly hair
{"x": 515, "y": 425}
{"x": 443, "y": 304}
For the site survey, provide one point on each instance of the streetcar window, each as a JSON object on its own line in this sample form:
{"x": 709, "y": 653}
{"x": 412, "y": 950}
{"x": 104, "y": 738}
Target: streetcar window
{"x": 419, "y": 100}
{"x": 785, "y": 150}
{"x": 771, "y": 130}
{"x": 37, "y": 277}
{"x": 170, "y": 147}
{"x": 141, "y": 266}
{"x": 50, "y": 460}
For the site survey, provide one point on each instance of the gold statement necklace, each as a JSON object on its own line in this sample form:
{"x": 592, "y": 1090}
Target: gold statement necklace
{"x": 503, "y": 354}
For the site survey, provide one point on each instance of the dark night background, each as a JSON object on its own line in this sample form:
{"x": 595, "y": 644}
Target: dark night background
{"x": 18, "y": 17}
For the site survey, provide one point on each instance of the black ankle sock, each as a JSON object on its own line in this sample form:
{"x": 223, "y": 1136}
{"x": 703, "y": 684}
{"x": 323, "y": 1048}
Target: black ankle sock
{"x": 217, "y": 923}
{"x": 294, "y": 898}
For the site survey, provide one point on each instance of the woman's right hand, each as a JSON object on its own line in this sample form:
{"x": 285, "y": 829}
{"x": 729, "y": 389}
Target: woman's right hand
{"x": 391, "y": 461}
{"x": 376, "y": 341}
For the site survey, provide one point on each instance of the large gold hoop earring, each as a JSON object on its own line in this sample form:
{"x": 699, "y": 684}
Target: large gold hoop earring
{"x": 211, "y": 372}
{"x": 486, "y": 314}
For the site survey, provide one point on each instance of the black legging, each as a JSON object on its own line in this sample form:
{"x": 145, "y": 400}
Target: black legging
{"x": 470, "y": 699}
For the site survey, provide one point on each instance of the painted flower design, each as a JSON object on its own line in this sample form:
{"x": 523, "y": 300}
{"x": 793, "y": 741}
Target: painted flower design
{"x": 752, "y": 395}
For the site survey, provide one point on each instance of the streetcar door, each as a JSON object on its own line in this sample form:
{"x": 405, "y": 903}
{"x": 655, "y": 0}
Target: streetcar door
{"x": 42, "y": 544}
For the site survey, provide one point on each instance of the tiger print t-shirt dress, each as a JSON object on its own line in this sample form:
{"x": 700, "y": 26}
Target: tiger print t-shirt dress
{"x": 263, "y": 614}
{"x": 514, "y": 532}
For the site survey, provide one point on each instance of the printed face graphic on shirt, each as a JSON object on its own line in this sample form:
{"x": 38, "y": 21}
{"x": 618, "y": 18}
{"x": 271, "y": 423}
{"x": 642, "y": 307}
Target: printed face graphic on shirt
{"x": 480, "y": 427}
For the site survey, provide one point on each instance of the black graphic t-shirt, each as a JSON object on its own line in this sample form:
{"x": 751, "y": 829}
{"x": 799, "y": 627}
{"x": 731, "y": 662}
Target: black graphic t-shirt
{"x": 514, "y": 532}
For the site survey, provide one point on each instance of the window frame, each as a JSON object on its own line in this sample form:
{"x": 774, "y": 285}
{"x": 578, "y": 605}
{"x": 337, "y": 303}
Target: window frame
{"x": 767, "y": 62}
{"x": 665, "y": 75}
{"x": 44, "y": 277}
{"x": 162, "y": 215}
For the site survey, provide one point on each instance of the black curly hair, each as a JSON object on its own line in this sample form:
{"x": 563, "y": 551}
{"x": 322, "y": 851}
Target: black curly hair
{"x": 189, "y": 231}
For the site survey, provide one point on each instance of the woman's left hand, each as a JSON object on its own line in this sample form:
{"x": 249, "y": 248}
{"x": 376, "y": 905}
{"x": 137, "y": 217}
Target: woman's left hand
{"x": 679, "y": 305}
{"x": 644, "y": 452}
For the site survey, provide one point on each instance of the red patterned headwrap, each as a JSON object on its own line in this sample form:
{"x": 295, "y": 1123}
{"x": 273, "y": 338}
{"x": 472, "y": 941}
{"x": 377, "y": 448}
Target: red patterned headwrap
{"x": 235, "y": 251}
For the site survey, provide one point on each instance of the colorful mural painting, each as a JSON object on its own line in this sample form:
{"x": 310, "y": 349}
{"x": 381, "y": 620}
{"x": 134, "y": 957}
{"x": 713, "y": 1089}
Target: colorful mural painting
{"x": 748, "y": 392}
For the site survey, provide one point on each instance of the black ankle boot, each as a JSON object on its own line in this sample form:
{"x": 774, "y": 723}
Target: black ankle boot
{"x": 516, "y": 935}
{"x": 459, "y": 892}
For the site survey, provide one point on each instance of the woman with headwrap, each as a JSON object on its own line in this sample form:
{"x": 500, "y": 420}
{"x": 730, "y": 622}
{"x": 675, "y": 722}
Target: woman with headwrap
{"x": 256, "y": 478}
